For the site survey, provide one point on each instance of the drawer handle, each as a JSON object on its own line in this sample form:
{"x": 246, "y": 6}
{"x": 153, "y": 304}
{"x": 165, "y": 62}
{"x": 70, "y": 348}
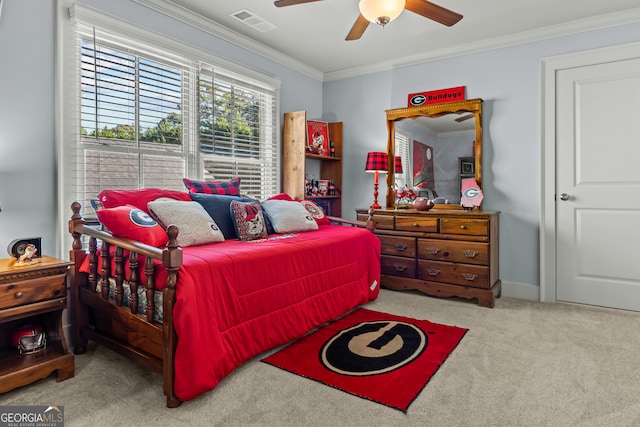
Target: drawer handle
{"x": 18, "y": 295}
{"x": 400, "y": 267}
{"x": 400, "y": 247}
{"x": 433, "y": 272}
{"x": 469, "y": 276}
{"x": 463, "y": 227}
{"x": 433, "y": 251}
{"x": 415, "y": 224}
{"x": 470, "y": 253}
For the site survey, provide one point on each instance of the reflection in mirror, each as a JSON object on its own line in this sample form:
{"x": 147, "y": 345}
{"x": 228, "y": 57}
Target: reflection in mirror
{"x": 440, "y": 144}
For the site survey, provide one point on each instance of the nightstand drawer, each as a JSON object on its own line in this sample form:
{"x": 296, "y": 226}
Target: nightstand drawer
{"x": 454, "y": 251}
{"x": 32, "y": 290}
{"x": 395, "y": 245}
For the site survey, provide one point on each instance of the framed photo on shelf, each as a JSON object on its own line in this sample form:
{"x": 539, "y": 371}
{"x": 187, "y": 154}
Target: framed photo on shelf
{"x": 318, "y": 137}
{"x": 467, "y": 166}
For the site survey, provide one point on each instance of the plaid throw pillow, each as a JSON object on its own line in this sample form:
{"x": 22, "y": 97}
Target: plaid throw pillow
{"x": 229, "y": 188}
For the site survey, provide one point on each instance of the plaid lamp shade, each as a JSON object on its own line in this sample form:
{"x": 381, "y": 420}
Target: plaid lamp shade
{"x": 398, "y": 164}
{"x": 376, "y": 161}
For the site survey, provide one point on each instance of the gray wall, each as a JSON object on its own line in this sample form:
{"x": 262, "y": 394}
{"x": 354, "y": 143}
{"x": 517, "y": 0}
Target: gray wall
{"x": 509, "y": 81}
{"x": 27, "y": 104}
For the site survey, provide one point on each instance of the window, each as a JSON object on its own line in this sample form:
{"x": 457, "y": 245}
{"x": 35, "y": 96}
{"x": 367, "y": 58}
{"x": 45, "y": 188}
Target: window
{"x": 148, "y": 118}
{"x": 402, "y": 149}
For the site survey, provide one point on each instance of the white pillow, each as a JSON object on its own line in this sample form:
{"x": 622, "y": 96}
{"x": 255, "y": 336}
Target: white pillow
{"x": 195, "y": 226}
{"x": 287, "y": 217}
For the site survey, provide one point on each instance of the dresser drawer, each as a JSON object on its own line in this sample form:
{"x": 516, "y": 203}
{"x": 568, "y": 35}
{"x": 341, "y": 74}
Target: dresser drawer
{"x": 396, "y": 245}
{"x": 398, "y": 266}
{"x": 32, "y": 290}
{"x": 416, "y": 223}
{"x": 454, "y": 251}
{"x": 476, "y": 227}
{"x": 459, "y": 274}
{"x": 383, "y": 222}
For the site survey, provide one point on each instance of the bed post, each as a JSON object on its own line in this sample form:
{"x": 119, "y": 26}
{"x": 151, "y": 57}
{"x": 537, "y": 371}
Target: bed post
{"x": 79, "y": 315}
{"x": 171, "y": 259}
{"x": 371, "y": 224}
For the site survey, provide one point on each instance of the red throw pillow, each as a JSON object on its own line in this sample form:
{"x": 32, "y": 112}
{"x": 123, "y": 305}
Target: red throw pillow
{"x": 133, "y": 223}
{"x": 228, "y": 188}
{"x": 139, "y": 197}
{"x": 316, "y": 212}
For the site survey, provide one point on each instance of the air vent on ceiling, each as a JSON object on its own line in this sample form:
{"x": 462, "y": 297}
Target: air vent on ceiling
{"x": 253, "y": 20}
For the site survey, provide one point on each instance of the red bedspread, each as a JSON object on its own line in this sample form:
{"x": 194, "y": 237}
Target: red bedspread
{"x": 236, "y": 299}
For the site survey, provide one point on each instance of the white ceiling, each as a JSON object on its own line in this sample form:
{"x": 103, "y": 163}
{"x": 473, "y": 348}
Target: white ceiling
{"x": 313, "y": 34}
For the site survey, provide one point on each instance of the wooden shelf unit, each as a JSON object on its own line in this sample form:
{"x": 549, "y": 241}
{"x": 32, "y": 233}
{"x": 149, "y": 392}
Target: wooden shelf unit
{"x": 295, "y": 158}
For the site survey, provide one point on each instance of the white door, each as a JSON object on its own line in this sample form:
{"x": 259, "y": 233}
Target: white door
{"x": 598, "y": 184}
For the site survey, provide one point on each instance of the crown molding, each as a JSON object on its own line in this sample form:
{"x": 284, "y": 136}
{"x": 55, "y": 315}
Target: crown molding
{"x": 182, "y": 14}
{"x": 545, "y": 33}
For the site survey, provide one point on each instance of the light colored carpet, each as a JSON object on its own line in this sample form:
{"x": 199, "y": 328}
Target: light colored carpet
{"x": 522, "y": 363}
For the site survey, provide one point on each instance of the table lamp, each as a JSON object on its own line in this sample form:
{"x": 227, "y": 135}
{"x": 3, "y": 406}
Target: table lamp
{"x": 376, "y": 163}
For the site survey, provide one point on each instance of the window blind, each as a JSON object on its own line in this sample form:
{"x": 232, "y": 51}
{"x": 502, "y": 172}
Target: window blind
{"x": 402, "y": 149}
{"x": 147, "y": 117}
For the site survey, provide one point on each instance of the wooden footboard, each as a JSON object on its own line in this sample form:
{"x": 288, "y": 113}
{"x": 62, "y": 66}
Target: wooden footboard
{"x": 108, "y": 322}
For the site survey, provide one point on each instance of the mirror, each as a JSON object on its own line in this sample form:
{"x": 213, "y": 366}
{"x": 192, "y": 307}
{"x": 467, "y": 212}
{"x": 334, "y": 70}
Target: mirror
{"x": 440, "y": 145}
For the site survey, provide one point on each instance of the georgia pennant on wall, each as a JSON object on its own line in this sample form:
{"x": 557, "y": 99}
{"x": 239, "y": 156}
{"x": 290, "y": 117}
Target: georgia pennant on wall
{"x": 436, "y": 96}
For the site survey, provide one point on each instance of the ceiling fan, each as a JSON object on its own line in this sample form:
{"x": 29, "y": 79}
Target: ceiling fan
{"x": 369, "y": 13}
{"x": 463, "y": 118}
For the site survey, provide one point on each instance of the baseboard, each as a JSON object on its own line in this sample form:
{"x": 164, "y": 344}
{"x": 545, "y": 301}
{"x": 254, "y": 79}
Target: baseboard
{"x": 524, "y": 291}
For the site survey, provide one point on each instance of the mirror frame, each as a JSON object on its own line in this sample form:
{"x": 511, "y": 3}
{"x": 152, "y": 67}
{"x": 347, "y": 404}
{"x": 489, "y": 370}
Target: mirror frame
{"x": 432, "y": 110}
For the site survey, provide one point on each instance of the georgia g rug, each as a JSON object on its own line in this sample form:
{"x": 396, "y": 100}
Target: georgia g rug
{"x": 377, "y": 356}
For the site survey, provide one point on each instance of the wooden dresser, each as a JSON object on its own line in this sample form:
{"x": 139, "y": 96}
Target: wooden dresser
{"x": 440, "y": 252}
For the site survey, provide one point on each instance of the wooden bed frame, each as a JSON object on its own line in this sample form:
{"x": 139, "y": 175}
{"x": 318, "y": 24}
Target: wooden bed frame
{"x": 115, "y": 326}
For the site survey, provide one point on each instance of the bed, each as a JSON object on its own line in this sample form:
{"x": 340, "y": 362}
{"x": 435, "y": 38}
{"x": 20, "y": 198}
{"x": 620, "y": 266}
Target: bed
{"x": 196, "y": 313}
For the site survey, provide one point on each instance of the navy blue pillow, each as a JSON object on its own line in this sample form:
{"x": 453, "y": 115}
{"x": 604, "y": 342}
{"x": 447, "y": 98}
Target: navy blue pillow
{"x": 219, "y": 208}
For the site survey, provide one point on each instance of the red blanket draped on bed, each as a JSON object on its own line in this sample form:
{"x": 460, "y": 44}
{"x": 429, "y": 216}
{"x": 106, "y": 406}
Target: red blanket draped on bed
{"x": 236, "y": 299}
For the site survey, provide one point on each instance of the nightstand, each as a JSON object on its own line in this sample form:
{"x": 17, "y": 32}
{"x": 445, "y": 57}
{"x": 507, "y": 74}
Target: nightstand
{"x": 33, "y": 294}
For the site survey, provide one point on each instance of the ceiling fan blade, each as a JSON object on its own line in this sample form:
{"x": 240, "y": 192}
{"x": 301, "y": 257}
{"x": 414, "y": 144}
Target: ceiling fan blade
{"x": 463, "y": 118}
{"x": 433, "y": 11}
{"x": 358, "y": 28}
{"x": 282, "y": 3}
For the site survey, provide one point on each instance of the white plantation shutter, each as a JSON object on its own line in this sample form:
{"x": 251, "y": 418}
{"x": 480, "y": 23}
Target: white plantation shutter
{"x": 144, "y": 116}
{"x": 238, "y": 133}
{"x": 402, "y": 150}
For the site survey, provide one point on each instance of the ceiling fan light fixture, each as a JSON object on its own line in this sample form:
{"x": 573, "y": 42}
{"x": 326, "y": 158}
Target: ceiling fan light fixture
{"x": 381, "y": 12}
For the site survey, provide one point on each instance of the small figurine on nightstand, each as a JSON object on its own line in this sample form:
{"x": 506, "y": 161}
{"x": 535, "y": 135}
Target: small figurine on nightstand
{"x": 27, "y": 257}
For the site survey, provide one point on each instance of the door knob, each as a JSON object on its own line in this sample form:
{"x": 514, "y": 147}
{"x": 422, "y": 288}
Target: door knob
{"x": 564, "y": 196}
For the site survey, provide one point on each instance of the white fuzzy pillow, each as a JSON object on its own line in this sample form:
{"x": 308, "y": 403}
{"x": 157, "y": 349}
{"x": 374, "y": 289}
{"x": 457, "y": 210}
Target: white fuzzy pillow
{"x": 195, "y": 226}
{"x": 288, "y": 217}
